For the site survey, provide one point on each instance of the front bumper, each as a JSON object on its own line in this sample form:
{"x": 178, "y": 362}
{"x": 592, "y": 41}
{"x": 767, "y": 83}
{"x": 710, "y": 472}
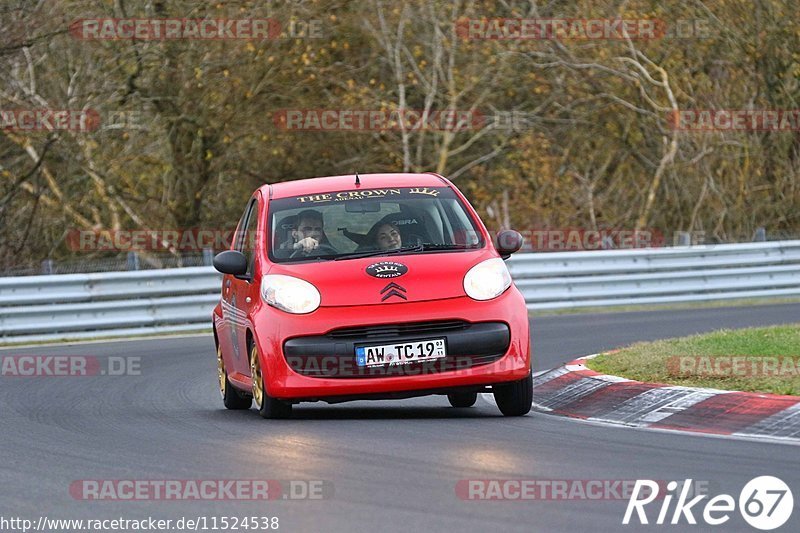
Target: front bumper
{"x": 280, "y": 336}
{"x": 468, "y": 345}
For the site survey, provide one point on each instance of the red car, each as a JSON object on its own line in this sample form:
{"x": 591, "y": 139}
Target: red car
{"x": 369, "y": 287}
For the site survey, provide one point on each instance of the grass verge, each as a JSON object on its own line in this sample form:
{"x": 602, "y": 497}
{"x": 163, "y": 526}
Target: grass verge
{"x": 753, "y": 359}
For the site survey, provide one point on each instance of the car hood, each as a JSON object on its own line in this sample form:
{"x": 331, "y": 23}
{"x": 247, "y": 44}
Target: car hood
{"x": 375, "y": 280}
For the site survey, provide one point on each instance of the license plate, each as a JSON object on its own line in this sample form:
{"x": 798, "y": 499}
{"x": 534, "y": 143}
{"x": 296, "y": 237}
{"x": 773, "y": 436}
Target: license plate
{"x": 401, "y": 353}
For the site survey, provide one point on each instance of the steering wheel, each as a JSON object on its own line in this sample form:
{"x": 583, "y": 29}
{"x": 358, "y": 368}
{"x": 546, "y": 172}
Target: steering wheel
{"x": 321, "y": 249}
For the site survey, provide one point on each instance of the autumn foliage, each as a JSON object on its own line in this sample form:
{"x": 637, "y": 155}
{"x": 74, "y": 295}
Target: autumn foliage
{"x": 562, "y": 132}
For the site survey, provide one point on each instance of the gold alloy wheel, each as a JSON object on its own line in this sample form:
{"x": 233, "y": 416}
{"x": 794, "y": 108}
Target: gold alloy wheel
{"x": 221, "y": 372}
{"x": 255, "y": 372}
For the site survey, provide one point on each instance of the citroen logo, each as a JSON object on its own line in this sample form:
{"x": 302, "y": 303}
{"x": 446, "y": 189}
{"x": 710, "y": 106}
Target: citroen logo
{"x": 393, "y": 289}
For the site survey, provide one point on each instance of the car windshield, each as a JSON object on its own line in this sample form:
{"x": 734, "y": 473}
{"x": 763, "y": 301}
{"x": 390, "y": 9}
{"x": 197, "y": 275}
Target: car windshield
{"x": 370, "y": 222}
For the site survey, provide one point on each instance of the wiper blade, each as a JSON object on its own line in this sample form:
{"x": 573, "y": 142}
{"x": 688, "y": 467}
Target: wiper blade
{"x": 375, "y": 253}
{"x": 434, "y": 246}
{"x": 416, "y": 248}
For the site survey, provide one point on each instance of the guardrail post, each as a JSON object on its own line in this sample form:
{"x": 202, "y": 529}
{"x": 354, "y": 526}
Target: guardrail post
{"x": 47, "y": 266}
{"x": 682, "y": 238}
{"x": 133, "y": 261}
{"x": 208, "y": 256}
{"x": 761, "y": 235}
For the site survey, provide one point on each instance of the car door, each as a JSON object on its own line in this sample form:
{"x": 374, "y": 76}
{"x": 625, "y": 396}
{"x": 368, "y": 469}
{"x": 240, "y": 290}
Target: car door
{"x": 244, "y": 289}
{"x": 226, "y": 333}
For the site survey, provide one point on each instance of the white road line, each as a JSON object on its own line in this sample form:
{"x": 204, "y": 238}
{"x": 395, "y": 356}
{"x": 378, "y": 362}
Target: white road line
{"x": 110, "y": 340}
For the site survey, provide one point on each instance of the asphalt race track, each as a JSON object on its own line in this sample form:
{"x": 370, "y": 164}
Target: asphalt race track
{"x": 393, "y": 466}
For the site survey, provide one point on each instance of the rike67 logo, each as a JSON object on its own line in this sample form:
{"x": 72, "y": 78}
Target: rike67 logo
{"x": 765, "y": 503}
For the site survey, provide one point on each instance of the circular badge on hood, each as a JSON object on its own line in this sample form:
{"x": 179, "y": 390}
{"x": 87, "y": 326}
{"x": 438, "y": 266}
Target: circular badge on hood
{"x": 386, "y": 269}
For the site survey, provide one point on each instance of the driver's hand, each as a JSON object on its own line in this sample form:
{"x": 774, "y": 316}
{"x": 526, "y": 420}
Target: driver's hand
{"x": 306, "y": 244}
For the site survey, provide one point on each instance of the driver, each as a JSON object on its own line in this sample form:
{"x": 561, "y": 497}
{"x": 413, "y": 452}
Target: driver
{"x": 309, "y": 232}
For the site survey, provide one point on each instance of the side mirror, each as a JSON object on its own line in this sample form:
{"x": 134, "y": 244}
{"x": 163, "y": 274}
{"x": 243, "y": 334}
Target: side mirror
{"x": 231, "y": 262}
{"x": 508, "y": 242}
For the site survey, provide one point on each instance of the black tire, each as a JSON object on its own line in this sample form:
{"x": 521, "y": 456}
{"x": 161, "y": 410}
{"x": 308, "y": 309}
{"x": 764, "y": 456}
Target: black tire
{"x": 234, "y": 399}
{"x": 231, "y": 397}
{"x": 268, "y": 407}
{"x": 515, "y": 398}
{"x": 274, "y": 408}
{"x": 462, "y": 399}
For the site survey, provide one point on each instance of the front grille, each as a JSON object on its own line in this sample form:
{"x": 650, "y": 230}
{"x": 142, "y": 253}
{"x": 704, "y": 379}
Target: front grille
{"x": 393, "y": 330}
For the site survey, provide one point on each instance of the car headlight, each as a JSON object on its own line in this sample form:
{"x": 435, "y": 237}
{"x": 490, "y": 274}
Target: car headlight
{"x": 289, "y": 294}
{"x": 488, "y": 279}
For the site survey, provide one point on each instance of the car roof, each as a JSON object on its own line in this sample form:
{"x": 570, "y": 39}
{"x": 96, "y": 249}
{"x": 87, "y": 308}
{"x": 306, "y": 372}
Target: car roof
{"x": 287, "y": 189}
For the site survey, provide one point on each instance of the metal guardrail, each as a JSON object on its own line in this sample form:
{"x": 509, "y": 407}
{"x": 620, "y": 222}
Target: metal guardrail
{"x": 79, "y": 306}
{"x": 567, "y": 280}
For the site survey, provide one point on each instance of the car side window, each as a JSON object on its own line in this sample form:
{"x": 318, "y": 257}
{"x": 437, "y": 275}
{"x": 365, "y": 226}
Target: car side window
{"x": 240, "y": 227}
{"x": 246, "y": 240}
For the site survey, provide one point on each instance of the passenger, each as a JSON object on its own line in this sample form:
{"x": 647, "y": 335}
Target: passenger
{"x": 385, "y": 236}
